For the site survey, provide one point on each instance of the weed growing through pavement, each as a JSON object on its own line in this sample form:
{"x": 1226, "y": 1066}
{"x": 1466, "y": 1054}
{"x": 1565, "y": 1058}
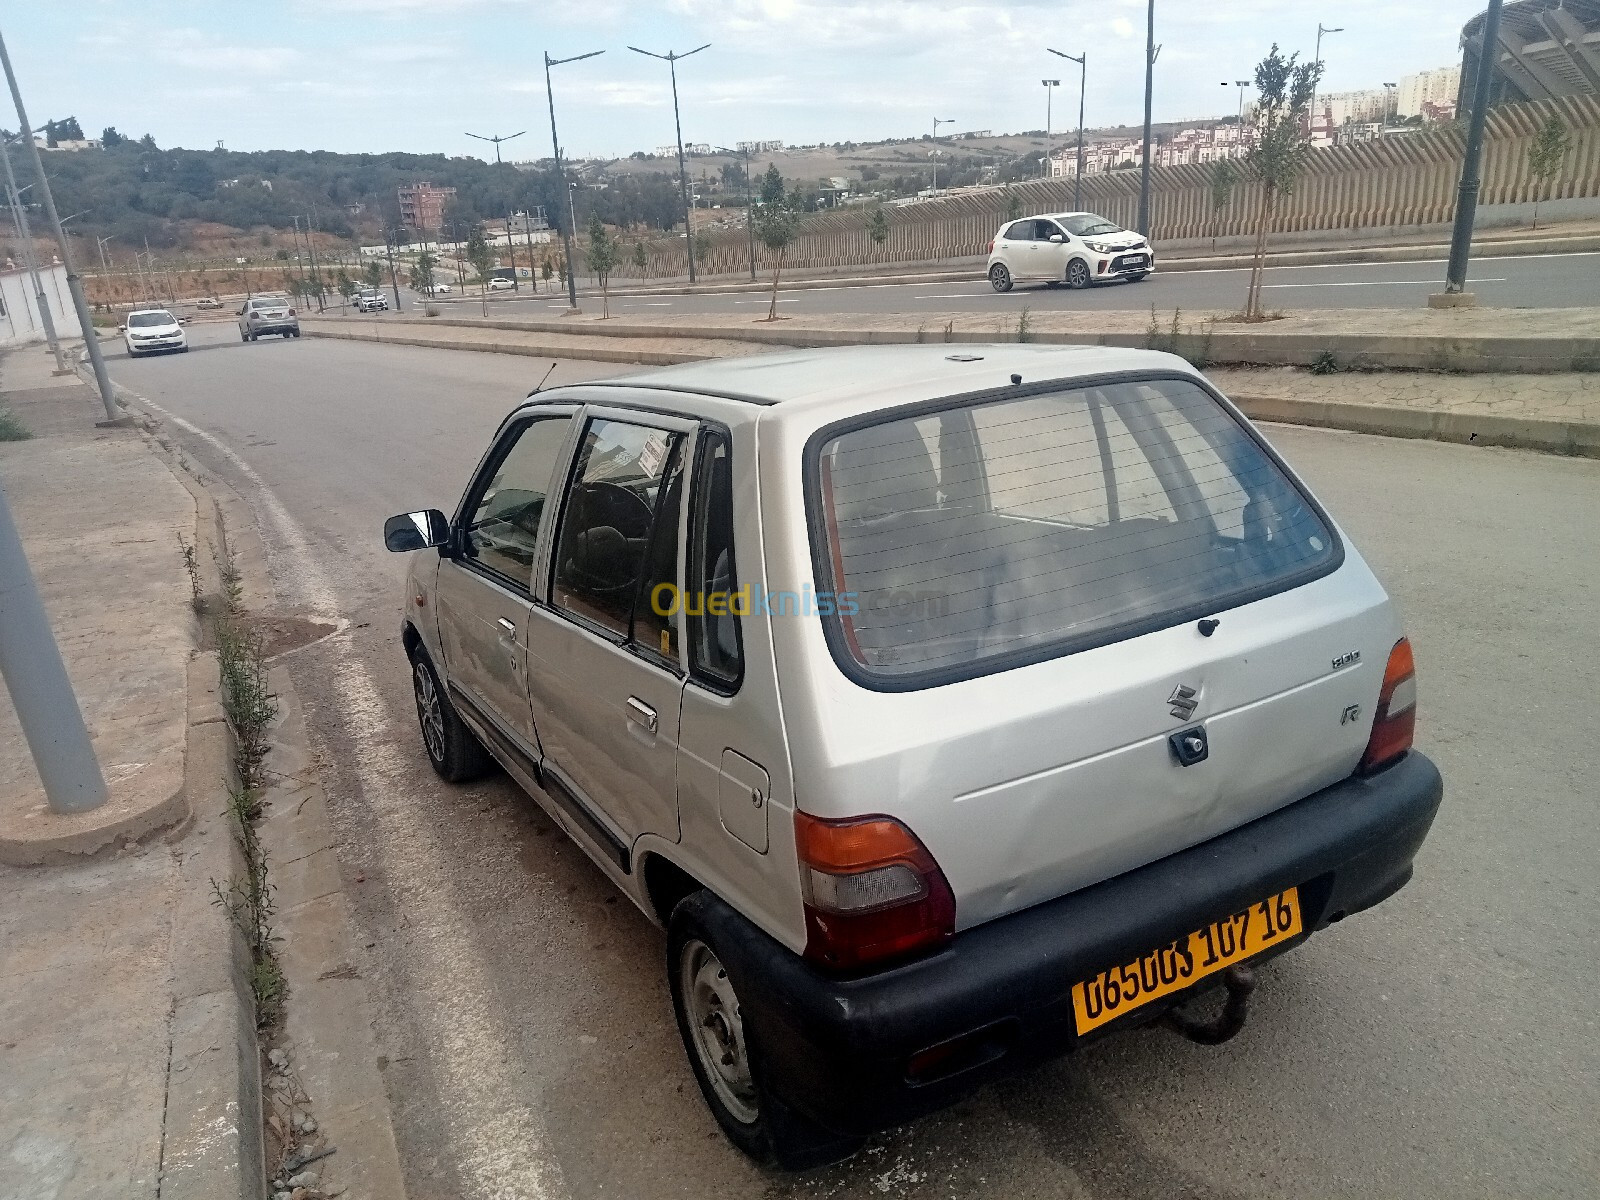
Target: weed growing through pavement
{"x": 1025, "y": 324}
{"x": 949, "y": 331}
{"x": 191, "y": 564}
{"x": 1194, "y": 347}
{"x": 232, "y": 581}
{"x": 1325, "y": 363}
{"x": 11, "y": 429}
{"x": 247, "y": 700}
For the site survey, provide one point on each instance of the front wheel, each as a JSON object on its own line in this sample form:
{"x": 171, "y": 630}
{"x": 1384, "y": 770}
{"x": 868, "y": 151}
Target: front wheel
{"x": 1000, "y": 278}
{"x": 453, "y": 750}
{"x": 726, "y": 1061}
{"x": 1078, "y": 276}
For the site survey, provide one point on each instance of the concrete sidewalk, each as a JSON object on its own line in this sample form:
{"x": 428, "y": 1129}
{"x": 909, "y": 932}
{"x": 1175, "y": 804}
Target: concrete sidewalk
{"x": 127, "y": 1050}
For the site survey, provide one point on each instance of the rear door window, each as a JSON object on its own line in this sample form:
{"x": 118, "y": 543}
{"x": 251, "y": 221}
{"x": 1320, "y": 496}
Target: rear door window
{"x": 990, "y": 534}
{"x": 1020, "y": 231}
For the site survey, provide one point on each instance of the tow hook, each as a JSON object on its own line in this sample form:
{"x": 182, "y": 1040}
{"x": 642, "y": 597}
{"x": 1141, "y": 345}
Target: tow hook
{"x": 1240, "y": 982}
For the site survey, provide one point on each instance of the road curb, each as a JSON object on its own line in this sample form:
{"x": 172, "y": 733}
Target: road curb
{"x": 650, "y": 358}
{"x": 1552, "y": 437}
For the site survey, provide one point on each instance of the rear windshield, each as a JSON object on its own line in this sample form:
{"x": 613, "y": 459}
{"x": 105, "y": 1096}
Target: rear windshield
{"x": 142, "y": 320}
{"x": 979, "y": 537}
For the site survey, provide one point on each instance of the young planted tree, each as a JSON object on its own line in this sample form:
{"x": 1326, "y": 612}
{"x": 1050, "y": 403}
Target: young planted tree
{"x": 1013, "y": 209}
{"x": 422, "y": 273}
{"x": 347, "y": 287}
{"x": 1546, "y": 156}
{"x": 777, "y": 223}
{"x": 372, "y": 273}
{"x": 548, "y": 272}
{"x": 482, "y": 262}
{"x": 641, "y": 260}
{"x": 604, "y": 254}
{"x": 1223, "y": 179}
{"x": 1284, "y": 87}
{"x": 878, "y": 228}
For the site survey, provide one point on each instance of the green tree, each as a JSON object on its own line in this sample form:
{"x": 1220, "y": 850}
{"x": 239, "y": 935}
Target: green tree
{"x": 345, "y": 286}
{"x": 1224, "y": 177}
{"x": 878, "y": 227}
{"x": 548, "y": 272}
{"x": 110, "y": 139}
{"x": 1546, "y": 155}
{"x": 641, "y": 259}
{"x": 372, "y": 273}
{"x": 772, "y": 186}
{"x": 1284, "y": 87}
{"x": 1013, "y": 210}
{"x": 482, "y": 261}
{"x": 604, "y": 254}
{"x": 777, "y": 225}
{"x": 422, "y": 273}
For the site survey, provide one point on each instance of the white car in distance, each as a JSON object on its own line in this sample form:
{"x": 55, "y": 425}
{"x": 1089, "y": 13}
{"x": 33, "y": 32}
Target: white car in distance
{"x": 1077, "y": 249}
{"x": 498, "y": 284}
{"x": 150, "y": 329}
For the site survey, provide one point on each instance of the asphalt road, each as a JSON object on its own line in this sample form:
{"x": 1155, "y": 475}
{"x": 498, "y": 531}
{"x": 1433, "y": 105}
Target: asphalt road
{"x": 1443, "y": 1045}
{"x": 1543, "y": 281}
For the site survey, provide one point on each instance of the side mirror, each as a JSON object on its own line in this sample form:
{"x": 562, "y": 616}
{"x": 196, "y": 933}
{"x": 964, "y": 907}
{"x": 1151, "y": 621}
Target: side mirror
{"x": 1057, "y": 238}
{"x": 241, "y": 312}
{"x": 416, "y": 531}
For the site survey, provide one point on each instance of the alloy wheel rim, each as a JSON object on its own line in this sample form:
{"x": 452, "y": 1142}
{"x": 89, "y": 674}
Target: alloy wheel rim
{"x": 429, "y": 712}
{"x": 716, "y": 1027}
{"x": 1078, "y": 274}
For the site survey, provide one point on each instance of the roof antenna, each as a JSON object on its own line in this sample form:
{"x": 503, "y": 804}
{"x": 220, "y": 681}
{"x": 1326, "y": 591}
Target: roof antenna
{"x": 540, "y": 388}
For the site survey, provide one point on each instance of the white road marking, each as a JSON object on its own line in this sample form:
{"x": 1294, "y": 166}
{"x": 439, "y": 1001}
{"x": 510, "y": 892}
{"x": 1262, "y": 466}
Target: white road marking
{"x": 768, "y": 300}
{"x": 494, "y": 1138}
{"x": 650, "y": 304}
{"x": 1375, "y": 283}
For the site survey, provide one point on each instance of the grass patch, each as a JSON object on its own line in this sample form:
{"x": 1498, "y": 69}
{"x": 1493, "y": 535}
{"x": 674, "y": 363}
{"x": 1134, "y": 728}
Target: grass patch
{"x": 11, "y": 429}
{"x": 1194, "y": 347}
{"x": 1025, "y": 324}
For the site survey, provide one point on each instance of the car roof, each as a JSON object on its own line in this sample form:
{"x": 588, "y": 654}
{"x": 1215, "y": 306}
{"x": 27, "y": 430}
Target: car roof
{"x": 890, "y": 375}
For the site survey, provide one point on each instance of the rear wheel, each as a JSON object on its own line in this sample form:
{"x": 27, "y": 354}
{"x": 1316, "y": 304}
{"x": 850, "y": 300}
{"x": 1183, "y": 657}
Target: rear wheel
{"x": 454, "y": 751}
{"x": 726, "y": 1060}
{"x": 1000, "y": 278}
{"x": 1078, "y": 276}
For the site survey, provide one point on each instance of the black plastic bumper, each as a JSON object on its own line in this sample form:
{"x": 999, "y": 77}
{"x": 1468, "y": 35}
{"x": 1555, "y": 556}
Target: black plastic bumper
{"x": 838, "y": 1049}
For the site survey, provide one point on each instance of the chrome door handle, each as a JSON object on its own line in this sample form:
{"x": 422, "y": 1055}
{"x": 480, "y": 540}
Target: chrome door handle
{"x": 507, "y": 628}
{"x": 642, "y": 714}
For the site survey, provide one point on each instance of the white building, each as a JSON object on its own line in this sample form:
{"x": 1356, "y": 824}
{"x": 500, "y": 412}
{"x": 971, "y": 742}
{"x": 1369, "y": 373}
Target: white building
{"x": 20, "y": 322}
{"x": 757, "y": 147}
{"x": 1438, "y": 88}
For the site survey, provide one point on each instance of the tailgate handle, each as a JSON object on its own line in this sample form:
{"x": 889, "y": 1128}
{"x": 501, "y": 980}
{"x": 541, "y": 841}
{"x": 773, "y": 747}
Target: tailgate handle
{"x": 642, "y": 714}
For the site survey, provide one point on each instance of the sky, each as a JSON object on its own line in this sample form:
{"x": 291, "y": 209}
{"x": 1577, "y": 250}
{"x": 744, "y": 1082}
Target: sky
{"x": 416, "y": 75}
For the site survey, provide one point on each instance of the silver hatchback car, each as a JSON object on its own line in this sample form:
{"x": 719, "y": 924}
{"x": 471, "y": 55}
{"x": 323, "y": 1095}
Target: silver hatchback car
{"x": 262, "y": 315}
{"x": 948, "y": 709}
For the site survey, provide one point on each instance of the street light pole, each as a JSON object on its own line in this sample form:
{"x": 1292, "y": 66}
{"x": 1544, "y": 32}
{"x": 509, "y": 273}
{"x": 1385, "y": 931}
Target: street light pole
{"x": 497, "y": 140}
{"x": 1467, "y": 203}
{"x": 1049, "y": 147}
{"x": 1151, "y": 53}
{"x": 933, "y": 155}
{"x": 91, "y": 340}
{"x": 1083, "y": 86}
{"x": 1390, "y": 91}
{"x": 31, "y": 263}
{"x": 561, "y": 174}
{"x": 1321, "y": 31}
{"x": 671, "y": 59}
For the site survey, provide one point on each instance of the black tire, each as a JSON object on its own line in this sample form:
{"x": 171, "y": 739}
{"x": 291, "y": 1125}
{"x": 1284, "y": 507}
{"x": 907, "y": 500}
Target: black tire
{"x": 755, "y": 1121}
{"x": 1078, "y": 275}
{"x": 1000, "y": 278}
{"x": 453, "y": 750}
{"x": 243, "y": 336}
{"x": 1140, "y": 278}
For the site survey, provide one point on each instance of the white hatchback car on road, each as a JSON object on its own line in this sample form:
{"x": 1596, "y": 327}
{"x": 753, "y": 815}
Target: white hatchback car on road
{"x": 1077, "y": 249}
{"x": 148, "y": 330}
{"x": 500, "y": 284}
{"x": 950, "y": 710}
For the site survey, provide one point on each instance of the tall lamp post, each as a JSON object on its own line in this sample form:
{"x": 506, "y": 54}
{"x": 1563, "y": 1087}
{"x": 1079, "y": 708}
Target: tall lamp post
{"x": 671, "y": 59}
{"x": 1151, "y": 53}
{"x": 1083, "y": 84}
{"x": 1455, "y": 285}
{"x": 561, "y": 174}
{"x": 1050, "y": 86}
{"x": 1390, "y": 90}
{"x": 932, "y": 154}
{"x": 496, "y": 139}
{"x": 74, "y": 285}
{"x": 1322, "y": 31}
{"x": 20, "y": 213}
{"x": 1241, "y": 84}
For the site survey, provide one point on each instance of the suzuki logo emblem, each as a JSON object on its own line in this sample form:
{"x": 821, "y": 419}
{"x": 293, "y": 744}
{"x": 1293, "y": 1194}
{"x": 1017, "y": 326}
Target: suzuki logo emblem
{"x": 1184, "y": 701}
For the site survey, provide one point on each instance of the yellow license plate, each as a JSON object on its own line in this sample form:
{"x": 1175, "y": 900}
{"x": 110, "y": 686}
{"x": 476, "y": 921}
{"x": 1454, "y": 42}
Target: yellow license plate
{"x": 1171, "y": 968}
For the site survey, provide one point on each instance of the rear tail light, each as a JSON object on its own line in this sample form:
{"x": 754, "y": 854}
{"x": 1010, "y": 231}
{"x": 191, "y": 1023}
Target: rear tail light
{"x": 872, "y": 891}
{"x": 1395, "y": 722}
{"x": 991, "y": 245}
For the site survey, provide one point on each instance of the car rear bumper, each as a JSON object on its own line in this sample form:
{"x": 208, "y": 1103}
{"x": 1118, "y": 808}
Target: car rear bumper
{"x": 838, "y": 1050}
{"x": 274, "y": 326}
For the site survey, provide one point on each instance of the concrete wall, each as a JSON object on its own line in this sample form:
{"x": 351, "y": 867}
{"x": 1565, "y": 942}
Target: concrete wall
{"x": 20, "y": 323}
{"x": 1400, "y": 182}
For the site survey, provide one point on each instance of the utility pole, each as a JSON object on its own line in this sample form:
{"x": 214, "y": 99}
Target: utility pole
{"x": 561, "y": 174}
{"x": 497, "y": 140}
{"x": 105, "y": 259}
{"x": 1455, "y": 285}
{"x": 671, "y": 59}
{"x": 394, "y": 276}
{"x": 299, "y": 259}
{"x": 527, "y": 229}
{"x": 31, "y": 263}
{"x": 41, "y": 692}
{"x": 1050, "y": 86}
{"x": 511, "y": 253}
{"x": 316, "y": 267}
{"x": 1151, "y": 53}
{"x": 74, "y": 285}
